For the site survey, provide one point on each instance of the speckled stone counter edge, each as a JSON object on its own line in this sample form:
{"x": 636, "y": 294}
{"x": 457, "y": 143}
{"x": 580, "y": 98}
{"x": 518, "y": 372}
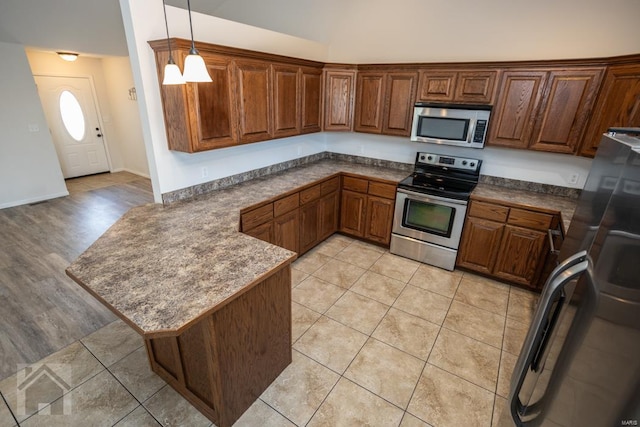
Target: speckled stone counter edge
{"x": 207, "y": 187}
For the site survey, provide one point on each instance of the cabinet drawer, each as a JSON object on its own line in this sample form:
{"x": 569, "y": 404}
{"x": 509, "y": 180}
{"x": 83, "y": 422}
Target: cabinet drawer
{"x": 257, "y": 216}
{"x": 355, "y": 184}
{"x": 529, "y": 219}
{"x": 388, "y": 191}
{"x": 310, "y": 194}
{"x": 286, "y": 204}
{"x": 489, "y": 211}
{"x": 330, "y": 185}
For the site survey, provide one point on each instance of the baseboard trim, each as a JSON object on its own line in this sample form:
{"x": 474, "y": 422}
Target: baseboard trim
{"x": 33, "y": 200}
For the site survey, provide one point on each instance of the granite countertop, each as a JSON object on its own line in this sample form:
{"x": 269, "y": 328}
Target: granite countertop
{"x": 161, "y": 267}
{"x": 539, "y": 201}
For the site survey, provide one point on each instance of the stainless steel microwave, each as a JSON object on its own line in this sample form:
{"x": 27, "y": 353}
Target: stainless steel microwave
{"x": 448, "y": 124}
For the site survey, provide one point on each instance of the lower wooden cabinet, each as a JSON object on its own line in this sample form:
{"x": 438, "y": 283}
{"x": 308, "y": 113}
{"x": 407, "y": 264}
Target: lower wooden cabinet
{"x": 352, "y": 212}
{"x": 377, "y": 224}
{"x": 285, "y": 231}
{"x": 367, "y": 209}
{"x": 507, "y": 242}
{"x": 309, "y": 226}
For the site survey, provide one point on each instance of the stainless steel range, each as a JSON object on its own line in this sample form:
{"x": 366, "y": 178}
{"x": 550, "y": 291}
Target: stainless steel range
{"x": 431, "y": 204}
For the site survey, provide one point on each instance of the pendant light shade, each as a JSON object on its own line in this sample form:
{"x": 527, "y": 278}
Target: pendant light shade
{"x": 195, "y": 69}
{"x": 172, "y": 74}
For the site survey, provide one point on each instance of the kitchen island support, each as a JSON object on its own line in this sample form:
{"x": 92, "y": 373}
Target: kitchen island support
{"x": 224, "y": 360}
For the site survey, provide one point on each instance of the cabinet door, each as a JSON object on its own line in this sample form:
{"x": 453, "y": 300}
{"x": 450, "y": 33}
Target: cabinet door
{"x": 437, "y": 85}
{"x": 338, "y": 101}
{"x": 311, "y": 100}
{"x": 254, "y": 100}
{"x": 513, "y": 116}
{"x": 308, "y": 226}
{"x": 399, "y": 99}
{"x": 369, "y": 102}
{"x": 262, "y": 232}
{"x": 286, "y": 229}
{"x": 286, "y": 101}
{"x": 352, "y": 213}
{"x": 480, "y": 244}
{"x": 520, "y": 253}
{"x": 617, "y": 106}
{"x": 379, "y": 219}
{"x": 475, "y": 86}
{"x": 568, "y": 98}
{"x": 328, "y": 210}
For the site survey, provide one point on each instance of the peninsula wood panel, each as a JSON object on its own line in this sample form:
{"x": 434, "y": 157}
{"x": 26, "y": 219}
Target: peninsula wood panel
{"x": 399, "y": 99}
{"x": 568, "y": 98}
{"x": 254, "y": 101}
{"x": 230, "y": 356}
{"x": 618, "y": 105}
{"x": 311, "y": 100}
{"x": 370, "y": 89}
{"x": 338, "y": 101}
{"x": 512, "y": 118}
{"x": 286, "y": 101}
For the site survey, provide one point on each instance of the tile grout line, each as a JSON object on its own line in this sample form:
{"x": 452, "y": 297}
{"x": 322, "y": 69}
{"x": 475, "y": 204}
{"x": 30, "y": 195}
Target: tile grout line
{"x": 9, "y": 408}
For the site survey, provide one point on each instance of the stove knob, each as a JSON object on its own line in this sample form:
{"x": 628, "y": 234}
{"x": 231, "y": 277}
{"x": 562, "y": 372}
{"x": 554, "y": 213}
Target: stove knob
{"x": 472, "y": 164}
{"x": 422, "y": 158}
{"x": 430, "y": 158}
{"x": 464, "y": 163}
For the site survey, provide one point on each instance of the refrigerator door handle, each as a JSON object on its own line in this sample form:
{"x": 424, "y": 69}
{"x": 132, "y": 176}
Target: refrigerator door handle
{"x": 541, "y": 327}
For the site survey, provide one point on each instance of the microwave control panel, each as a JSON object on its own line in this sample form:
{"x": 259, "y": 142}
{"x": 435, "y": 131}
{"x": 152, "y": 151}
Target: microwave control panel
{"x": 481, "y": 129}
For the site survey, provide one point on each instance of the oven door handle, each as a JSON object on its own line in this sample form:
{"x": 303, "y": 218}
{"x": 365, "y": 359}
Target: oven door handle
{"x": 431, "y": 198}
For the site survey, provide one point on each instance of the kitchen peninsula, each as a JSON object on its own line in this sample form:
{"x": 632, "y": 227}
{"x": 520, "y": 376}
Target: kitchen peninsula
{"x": 213, "y": 304}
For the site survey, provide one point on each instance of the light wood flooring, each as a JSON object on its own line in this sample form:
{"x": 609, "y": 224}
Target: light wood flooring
{"x": 41, "y": 309}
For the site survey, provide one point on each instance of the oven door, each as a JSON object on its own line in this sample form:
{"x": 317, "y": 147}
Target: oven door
{"x": 429, "y": 218}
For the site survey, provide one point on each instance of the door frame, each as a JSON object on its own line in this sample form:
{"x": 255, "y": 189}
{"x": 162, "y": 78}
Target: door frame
{"x": 94, "y": 94}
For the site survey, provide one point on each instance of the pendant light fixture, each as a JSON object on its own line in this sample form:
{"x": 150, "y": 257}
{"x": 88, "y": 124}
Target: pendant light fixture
{"x": 194, "y": 68}
{"x": 172, "y": 74}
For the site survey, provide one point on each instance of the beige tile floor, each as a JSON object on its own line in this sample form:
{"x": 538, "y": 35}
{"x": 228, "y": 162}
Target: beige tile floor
{"x": 378, "y": 340}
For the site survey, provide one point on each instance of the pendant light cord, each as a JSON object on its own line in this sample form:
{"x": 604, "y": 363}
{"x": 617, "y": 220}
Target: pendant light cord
{"x": 193, "y": 50}
{"x": 166, "y": 25}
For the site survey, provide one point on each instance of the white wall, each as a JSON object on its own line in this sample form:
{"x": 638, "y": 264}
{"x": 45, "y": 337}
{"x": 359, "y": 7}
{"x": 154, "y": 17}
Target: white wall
{"x": 125, "y": 118}
{"x": 29, "y": 168}
{"x": 143, "y": 21}
{"x": 402, "y": 31}
{"x": 545, "y": 168}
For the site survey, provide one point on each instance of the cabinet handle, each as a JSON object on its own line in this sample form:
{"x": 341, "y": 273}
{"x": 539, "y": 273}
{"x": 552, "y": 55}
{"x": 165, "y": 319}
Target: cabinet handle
{"x": 550, "y": 234}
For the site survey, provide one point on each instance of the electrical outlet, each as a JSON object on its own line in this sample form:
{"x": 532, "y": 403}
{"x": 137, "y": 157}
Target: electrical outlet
{"x": 205, "y": 172}
{"x": 573, "y": 178}
{"x": 33, "y": 127}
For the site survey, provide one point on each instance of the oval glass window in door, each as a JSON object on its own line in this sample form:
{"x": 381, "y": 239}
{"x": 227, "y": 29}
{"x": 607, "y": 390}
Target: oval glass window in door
{"x": 72, "y": 115}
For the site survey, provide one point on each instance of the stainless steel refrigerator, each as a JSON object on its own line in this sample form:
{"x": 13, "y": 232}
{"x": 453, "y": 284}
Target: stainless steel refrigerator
{"x": 580, "y": 362}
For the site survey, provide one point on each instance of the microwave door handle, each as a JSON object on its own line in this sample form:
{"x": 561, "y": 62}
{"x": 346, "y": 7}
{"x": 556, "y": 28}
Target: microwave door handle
{"x": 541, "y": 327}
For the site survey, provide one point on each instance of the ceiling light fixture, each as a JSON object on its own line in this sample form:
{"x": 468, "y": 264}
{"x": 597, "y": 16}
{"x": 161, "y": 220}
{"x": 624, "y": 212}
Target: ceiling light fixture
{"x": 172, "y": 74}
{"x": 195, "y": 69}
{"x": 68, "y": 56}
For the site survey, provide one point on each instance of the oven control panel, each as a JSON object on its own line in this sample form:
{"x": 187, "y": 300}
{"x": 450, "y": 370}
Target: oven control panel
{"x": 462, "y": 163}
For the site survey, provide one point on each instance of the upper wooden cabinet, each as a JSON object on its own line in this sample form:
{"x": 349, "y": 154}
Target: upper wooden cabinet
{"x": 545, "y": 110}
{"x": 339, "y": 90}
{"x": 254, "y": 100}
{"x": 512, "y": 117}
{"x": 311, "y": 85}
{"x": 253, "y": 97}
{"x": 568, "y": 98}
{"x": 618, "y": 105}
{"x": 369, "y": 102}
{"x": 384, "y": 102}
{"x": 464, "y": 86}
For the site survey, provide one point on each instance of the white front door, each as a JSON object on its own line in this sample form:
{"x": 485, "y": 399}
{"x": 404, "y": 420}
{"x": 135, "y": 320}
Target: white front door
{"x": 71, "y": 113}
